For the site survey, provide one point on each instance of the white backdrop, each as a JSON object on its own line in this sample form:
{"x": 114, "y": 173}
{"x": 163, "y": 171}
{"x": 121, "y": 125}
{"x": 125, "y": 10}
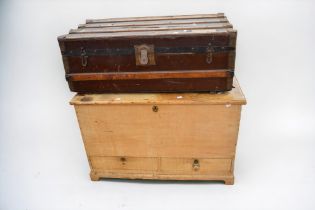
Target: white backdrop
{"x": 42, "y": 159}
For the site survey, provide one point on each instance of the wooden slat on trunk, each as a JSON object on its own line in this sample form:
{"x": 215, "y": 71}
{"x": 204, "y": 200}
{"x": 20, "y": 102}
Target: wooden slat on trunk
{"x": 148, "y": 28}
{"x": 139, "y": 34}
{"x": 149, "y": 75}
{"x": 149, "y": 18}
{"x": 156, "y": 22}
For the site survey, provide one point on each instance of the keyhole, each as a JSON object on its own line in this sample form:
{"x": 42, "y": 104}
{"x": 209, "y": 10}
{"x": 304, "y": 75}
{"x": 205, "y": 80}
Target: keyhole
{"x": 196, "y": 165}
{"x": 155, "y": 108}
{"x": 123, "y": 160}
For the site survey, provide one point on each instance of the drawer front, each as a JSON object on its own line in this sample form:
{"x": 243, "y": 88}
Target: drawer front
{"x": 195, "y": 166}
{"x": 124, "y": 163}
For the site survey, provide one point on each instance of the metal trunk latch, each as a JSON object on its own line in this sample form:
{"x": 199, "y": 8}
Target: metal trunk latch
{"x": 84, "y": 57}
{"x": 144, "y": 55}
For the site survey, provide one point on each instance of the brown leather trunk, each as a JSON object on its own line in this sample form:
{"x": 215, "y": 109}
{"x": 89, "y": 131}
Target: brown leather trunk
{"x": 189, "y": 53}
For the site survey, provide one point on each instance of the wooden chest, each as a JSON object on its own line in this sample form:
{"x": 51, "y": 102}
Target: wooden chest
{"x": 190, "y": 136}
{"x": 186, "y": 53}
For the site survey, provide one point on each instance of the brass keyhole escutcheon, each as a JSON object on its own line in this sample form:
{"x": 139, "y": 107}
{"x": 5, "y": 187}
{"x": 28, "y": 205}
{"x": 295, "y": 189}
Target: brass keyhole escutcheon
{"x": 155, "y": 108}
{"x": 196, "y": 165}
{"x": 144, "y": 54}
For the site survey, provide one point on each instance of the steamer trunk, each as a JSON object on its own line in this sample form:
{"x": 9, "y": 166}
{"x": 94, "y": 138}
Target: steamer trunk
{"x": 189, "y": 136}
{"x": 150, "y": 54}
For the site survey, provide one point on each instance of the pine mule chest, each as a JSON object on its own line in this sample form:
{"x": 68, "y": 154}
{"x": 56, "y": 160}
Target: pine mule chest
{"x": 168, "y": 136}
{"x": 184, "y": 53}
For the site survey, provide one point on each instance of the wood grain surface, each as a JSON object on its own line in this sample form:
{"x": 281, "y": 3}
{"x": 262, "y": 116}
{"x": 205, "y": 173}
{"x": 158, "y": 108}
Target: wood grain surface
{"x": 235, "y": 96}
{"x": 161, "y": 136}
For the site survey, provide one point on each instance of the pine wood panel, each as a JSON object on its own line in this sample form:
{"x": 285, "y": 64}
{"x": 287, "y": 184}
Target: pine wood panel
{"x": 155, "y": 136}
{"x": 161, "y": 168}
{"x": 124, "y": 163}
{"x": 173, "y": 131}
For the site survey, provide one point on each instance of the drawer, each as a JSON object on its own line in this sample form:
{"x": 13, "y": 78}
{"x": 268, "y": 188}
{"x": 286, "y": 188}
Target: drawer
{"x": 123, "y": 163}
{"x": 195, "y": 165}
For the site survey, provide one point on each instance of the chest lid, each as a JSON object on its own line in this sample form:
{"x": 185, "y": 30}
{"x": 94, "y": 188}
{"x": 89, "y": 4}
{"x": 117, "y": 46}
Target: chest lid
{"x": 180, "y": 25}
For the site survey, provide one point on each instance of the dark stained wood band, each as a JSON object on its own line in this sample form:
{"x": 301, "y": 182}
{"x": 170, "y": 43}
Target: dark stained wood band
{"x": 149, "y": 75}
